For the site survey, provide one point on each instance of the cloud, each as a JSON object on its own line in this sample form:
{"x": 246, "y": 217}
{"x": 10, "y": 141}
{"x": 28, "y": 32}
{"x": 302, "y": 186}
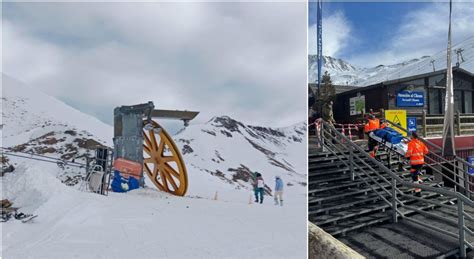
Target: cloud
{"x": 336, "y": 34}
{"x": 245, "y": 60}
{"x": 423, "y": 32}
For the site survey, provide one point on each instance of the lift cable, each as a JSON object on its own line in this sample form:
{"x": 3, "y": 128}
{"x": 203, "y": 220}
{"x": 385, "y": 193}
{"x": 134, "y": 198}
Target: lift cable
{"x": 42, "y": 158}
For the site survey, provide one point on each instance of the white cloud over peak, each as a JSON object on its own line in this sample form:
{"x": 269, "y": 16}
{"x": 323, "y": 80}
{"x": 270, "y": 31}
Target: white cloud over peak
{"x": 246, "y": 60}
{"x": 423, "y": 32}
{"x": 336, "y": 34}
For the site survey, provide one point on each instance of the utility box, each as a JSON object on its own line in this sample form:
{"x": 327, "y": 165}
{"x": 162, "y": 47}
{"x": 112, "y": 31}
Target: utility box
{"x": 128, "y": 132}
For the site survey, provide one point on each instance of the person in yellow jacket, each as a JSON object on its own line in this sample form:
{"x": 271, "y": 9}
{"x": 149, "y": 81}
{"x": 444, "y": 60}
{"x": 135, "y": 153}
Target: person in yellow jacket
{"x": 416, "y": 153}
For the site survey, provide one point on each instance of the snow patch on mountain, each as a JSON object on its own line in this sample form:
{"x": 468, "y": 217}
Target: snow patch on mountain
{"x": 28, "y": 113}
{"x": 231, "y": 151}
{"x": 220, "y": 155}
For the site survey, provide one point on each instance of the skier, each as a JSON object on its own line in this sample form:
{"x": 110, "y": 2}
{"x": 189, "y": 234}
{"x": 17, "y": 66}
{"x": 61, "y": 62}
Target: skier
{"x": 278, "y": 190}
{"x": 258, "y": 188}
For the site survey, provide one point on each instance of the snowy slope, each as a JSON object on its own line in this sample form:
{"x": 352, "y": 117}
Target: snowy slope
{"x": 147, "y": 223}
{"x": 143, "y": 223}
{"x": 28, "y": 113}
{"x": 343, "y": 73}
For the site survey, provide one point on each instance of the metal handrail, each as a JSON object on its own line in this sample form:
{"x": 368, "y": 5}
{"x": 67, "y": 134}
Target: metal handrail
{"x": 464, "y": 176}
{"x": 431, "y": 144}
{"x": 362, "y": 170}
{"x": 461, "y": 199}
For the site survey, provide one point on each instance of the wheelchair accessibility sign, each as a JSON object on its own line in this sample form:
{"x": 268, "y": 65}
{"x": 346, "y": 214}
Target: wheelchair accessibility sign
{"x": 411, "y": 124}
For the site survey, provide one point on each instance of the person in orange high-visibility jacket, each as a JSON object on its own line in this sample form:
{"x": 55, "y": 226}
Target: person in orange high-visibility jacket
{"x": 371, "y": 125}
{"x": 416, "y": 153}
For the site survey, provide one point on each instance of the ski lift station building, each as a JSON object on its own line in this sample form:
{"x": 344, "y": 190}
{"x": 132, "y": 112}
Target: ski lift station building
{"x": 423, "y": 97}
{"x": 415, "y": 94}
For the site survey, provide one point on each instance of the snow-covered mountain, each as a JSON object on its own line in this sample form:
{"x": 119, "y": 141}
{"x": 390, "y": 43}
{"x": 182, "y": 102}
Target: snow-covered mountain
{"x": 147, "y": 223}
{"x": 33, "y": 121}
{"x": 343, "y": 73}
{"x": 230, "y": 151}
{"x": 219, "y": 154}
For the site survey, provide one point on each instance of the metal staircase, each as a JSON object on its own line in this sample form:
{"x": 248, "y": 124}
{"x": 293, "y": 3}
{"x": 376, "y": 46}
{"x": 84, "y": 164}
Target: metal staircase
{"x": 350, "y": 190}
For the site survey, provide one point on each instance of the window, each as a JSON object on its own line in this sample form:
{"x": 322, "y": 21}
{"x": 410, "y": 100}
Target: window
{"x": 438, "y": 80}
{"x": 468, "y": 102}
{"x": 434, "y": 107}
{"x": 460, "y": 83}
{"x": 458, "y": 101}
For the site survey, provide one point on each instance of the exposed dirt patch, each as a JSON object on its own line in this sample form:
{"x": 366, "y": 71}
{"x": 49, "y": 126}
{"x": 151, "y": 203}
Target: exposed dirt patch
{"x": 228, "y": 123}
{"x": 19, "y": 148}
{"x": 260, "y": 148}
{"x": 268, "y": 131}
{"x": 226, "y": 133}
{"x": 280, "y": 164}
{"x": 87, "y": 143}
{"x": 70, "y": 132}
{"x": 187, "y": 149}
{"x": 296, "y": 139}
{"x": 241, "y": 173}
{"x": 219, "y": 174}
{"x": 51, "y": 141}
{"x": 209, "y": 132}
{"x": 219, "y": 156}
{"x": 44, "y": 150}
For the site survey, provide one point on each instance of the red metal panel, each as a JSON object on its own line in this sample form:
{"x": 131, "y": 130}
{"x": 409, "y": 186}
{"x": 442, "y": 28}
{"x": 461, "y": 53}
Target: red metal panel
{"x": 128, "y": 168}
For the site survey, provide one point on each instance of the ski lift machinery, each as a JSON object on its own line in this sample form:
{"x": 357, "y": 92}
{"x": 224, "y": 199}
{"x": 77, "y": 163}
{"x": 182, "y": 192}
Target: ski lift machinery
{"x": 139, "y": 138}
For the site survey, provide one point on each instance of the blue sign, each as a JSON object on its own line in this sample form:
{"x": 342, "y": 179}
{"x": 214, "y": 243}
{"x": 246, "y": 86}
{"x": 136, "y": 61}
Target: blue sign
{"x": 411, "y": 124}
{"x": 470, "y": 159}
{"x": 410, "y": 99}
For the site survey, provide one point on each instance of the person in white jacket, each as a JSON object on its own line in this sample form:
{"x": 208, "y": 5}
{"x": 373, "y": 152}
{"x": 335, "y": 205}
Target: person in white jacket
{"x": 259, "y": 186}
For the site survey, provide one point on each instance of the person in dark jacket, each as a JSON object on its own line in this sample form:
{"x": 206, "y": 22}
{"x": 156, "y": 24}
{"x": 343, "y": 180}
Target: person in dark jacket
{"x": 327, "y": 113}
{"x": 259, "y": 186}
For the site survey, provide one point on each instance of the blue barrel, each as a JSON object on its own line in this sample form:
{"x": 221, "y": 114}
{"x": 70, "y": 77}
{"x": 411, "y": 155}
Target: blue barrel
{"x": 470, "y": 159}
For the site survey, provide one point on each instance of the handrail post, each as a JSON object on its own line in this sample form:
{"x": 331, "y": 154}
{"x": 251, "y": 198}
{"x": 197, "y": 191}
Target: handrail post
{"x": 462, "y": 245}
{"x": 351, "y": 162}
{"x": 394, "y": 201}
{"x": 321, "y": 137}
{"x": 423, "y": 122}
{"x": 458, "y": 122}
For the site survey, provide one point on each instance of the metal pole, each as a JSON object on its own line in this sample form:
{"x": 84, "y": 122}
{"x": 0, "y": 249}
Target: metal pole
{"x": 458, "y": 123}
{"x": 462, "y": 245}
{"x": 423, "y": 119}
{"x": 320, "y": 50}
{"x": 322, "y": 136}
{"x": 394, "y": 201}
{"x": 351, "y": 162}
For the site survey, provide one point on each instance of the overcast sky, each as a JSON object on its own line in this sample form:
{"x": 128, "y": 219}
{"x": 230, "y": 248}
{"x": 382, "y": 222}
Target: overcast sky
{"x": 372, "y": 33}
{"x": 247, "y": 61}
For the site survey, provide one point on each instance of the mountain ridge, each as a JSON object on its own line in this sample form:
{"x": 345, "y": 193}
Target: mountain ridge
{"x": 219, "y": 154}
{"x": 344, "y": 73}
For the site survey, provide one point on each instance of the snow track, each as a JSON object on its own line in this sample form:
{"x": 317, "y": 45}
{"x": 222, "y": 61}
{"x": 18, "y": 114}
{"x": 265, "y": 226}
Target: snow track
{"x": 146, "y": 223}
